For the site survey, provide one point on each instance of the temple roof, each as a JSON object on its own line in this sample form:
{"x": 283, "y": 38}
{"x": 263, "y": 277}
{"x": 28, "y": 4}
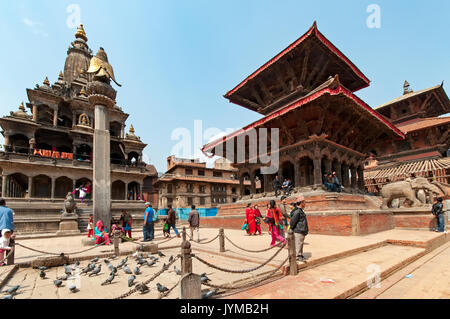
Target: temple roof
{"x": 294, "y": 72}
{"x": 420, "y": 124}
{"x": 332, "y": 88}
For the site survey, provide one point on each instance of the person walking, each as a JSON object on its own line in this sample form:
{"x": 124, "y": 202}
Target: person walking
{"x": 438, "y": 211}
{"x": 6, "y": 217}
{"x": 258, "y": 216}
{"x": 250, "y": 220}
{"x": 149, "y": 226}
{"x": 276, "y": 186}
{"x": 285, "y": 213}
{"x": 299, "y": 225}
{"x": 274, "y": 220}
{"x": 194, "y": 223}
{"x": 171, "y": 221}
{"x": 126, "y": 220}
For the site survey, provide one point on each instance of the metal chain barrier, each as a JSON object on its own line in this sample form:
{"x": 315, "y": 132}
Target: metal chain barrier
{"x": 250, "y": 284}
{"x": 251, "y": 251}
{"x": 206, "y": 242}
{"x": 59, "y": 254}
{"x": 156, "y": 275}
{"x": 239, "y": 271}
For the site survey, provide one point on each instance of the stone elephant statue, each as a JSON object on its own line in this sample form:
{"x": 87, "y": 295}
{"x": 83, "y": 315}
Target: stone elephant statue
{"x": 408, "y": 189}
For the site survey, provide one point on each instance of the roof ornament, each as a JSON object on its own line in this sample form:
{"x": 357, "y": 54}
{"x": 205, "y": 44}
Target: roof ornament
{"x": 46, "y": 81}
{"x": 21, "y": 112}
{"x": 101, "y": 69}
{"x": 131, "y": 135}
{"x": 83, "y": 92}
{"x": 81, "y": 34}
{"x": 406, "y": 89}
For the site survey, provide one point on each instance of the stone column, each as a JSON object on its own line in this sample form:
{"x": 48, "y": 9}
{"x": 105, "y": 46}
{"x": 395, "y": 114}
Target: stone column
{"x": 6, "y": 141}
{"x": 34, "y": 113}
{"x": 126, "y": 191}
{"x": 317, "y": 171}
{"x": 53, "y": 188}
{"x": 55, "y": 117}
{"x": 4, "y": 177}
{"x": 141, "y": 188}
{"x": 361, "y": 184}
{"x": 32, "y": 142}
{"x": 102, "y": 98}
{"x": 297, "y": 174}
{"x": 241, "y": 184}
{"x": 328, "y": 166}
{"x": 353, "y": 184}
{"x": 253, "y": 183}
{"x": 345, "y": 177}
{"x": 30, "y": 186}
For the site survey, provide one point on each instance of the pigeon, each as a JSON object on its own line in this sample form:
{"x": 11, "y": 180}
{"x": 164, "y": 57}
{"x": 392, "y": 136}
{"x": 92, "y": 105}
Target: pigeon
{"x": 42, "y": 268}
{"x": 160, "y": 254}
{"x": 127, "y": 270}
{"x": 77, "y": 263}
{"x": 137, "y": 271}
{"x": 209, "y": 294}
{"x": 106, "y": 261}
{"x": 113, "y": 257}
{"x": 94, "y": 260}
{"x": 171, "y": 259}
{"x": 12, "y": 290}
{"x": 131, "y": 280}
{"x": 73, "y": 288}
{"x": 109, "y": 279}
{"x": 142, "y": 288}
{"x": 7, "y": 297}
{"x": 96, "y": 271}
{"x": 57, "y": 283}
{"x": 114, "y": 270}
{"x": 150, "y": 256}
{"x": 64, "y": 277}
{"x": 42, "y": 274}
{"x": 151, "y": 263}
{"x": 142, "y": 262}
{"x": 135, "y": 254}
{"x": 67, "y": 270}
{"x": 204, "y": 278}
{"x": 165, "y": 267}
{"x": 161, "y": 288}
{"x": 176, "y": 270}
{"x": 123, "y": 262}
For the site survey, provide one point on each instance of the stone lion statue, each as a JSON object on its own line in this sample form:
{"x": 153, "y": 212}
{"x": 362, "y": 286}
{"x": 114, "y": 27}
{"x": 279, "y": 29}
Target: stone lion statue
{"x": 69, "y": 205}
{"x": 414, "y": 190}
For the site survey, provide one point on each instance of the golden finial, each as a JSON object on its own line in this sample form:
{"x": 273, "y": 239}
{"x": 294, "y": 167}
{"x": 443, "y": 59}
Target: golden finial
{"x": 61, "y": 76}
{"x": 22, "y": 107}
{"x": 131, "y": 129}
{"x": 80, "y": 33}
{"x": 46, "y": 81}
{"x": 83, "y": 92}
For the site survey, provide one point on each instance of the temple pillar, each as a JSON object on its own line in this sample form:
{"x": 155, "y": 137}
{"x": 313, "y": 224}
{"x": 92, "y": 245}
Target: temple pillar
{"x": 34, "y": 113}
{"x": 74, "y": 119}
{"x": 297, "y": 174}
{"x": 4, "y": 177}
{"x": 241, "y": 185}
{"x": 126, "y": 191}
{"x": 317, "y": 171}
{"x": 253, "y": 183}
{"x": 6, "y": 140}
{"x": 55, "y": 117}
{"x": 353, "y": 183}
{"x": 141, "y": 188}
{"x": 328, "y": 166}
{"x": 345, "y": 176}
{"x": 361, "y": 184}
{"x": 53, "y": 188}
{"x": 101, "y": 97}
{"x": 30, "y": 186}
{"x": 32, "y": 142}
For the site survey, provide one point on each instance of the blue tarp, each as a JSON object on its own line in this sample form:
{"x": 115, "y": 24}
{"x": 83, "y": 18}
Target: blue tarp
{"x": 183, "y": 213}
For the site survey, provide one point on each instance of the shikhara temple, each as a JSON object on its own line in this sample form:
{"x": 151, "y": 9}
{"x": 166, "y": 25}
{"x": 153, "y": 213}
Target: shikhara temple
{"x": 48, "y": 153}
{"x": 307, "y": 91}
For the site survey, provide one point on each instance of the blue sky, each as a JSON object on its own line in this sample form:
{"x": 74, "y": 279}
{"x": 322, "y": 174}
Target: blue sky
{"x": 177, "y": 58}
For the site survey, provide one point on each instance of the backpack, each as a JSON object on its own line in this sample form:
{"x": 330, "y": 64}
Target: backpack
{"x": 155, "y": 216}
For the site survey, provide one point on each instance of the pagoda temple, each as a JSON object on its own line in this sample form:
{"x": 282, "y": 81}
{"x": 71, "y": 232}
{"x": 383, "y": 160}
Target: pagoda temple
{"x": 425, "y": 151}
{"x": 49, "y": 151}
{"x": 307, "y": 91}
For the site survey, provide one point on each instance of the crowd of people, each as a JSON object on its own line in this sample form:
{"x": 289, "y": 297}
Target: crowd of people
{"x": 287, "y": 186}
{"x": 279, "y": 220}
{"x": 100, "y": 232}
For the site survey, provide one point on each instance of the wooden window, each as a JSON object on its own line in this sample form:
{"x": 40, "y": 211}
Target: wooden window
{"x": 188, "y": 171}
{"x": 201, "y": 172}
{"x": 217, "y": 174}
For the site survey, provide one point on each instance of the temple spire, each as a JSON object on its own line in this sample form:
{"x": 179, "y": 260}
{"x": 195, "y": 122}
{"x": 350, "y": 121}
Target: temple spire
{"x": 406, "y": 88}
{"x": 46, "y": 81}
{"x": 81, "y": 34}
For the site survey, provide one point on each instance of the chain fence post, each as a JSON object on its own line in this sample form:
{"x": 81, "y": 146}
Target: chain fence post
{"x": 116, "y": 240}
{"x": 293, "y": 270}
{"x": 10, "y": 259}
{"x": 186, "y": 258}
{"x": 221, "y": 240}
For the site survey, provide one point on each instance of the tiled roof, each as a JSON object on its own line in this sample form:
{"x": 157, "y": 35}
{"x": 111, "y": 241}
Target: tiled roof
{"x": 407, "y": 96}
{"x": 422, "y": 123}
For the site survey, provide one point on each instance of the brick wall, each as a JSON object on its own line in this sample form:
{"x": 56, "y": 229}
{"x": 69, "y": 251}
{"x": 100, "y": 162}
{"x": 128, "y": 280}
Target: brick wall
{"x": 373, "y": 223}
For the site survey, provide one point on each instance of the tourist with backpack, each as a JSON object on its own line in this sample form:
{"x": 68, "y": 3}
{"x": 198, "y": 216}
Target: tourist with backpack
{"x": 150, "y": 217}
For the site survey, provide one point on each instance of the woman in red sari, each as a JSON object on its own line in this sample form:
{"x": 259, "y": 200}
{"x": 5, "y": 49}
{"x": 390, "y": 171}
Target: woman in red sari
{"x": 250, "y": 220}
{"x": 274, "y": 217}
{"x": 258, "y": 217}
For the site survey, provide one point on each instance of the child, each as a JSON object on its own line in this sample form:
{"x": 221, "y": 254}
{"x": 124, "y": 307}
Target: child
{"x": 90, "y": 227}
{"x": 4, "y": 244}
{"x": 82, "y": 191}
{"x": 166, "y": 230}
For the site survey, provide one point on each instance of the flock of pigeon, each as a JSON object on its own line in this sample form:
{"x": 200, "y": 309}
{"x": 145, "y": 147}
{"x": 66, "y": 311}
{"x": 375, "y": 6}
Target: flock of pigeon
{"x": 94, "y": 268}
